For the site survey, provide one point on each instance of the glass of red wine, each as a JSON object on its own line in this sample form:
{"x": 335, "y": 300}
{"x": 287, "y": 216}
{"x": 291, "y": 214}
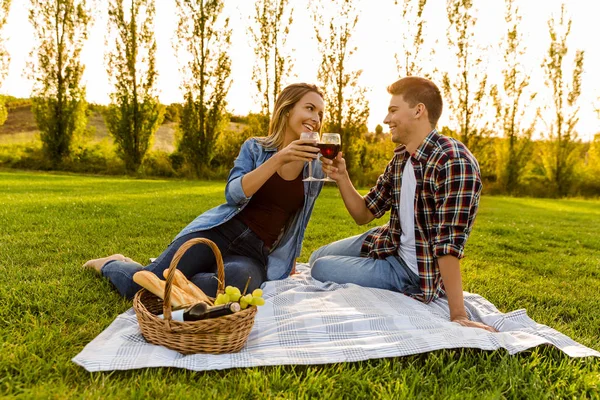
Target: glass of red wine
{"x": 311, "y": 136}
{"x": 329, "y": 145}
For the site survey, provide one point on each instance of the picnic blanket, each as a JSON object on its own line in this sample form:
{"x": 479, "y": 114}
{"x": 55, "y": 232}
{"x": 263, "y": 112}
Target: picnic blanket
{"x": 308, "y": 322}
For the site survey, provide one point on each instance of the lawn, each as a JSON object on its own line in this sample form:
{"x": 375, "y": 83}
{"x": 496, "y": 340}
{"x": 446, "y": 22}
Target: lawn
{"x": 539, "y": 254}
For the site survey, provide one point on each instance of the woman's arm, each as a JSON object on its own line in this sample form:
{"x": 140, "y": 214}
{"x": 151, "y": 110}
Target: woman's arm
{"x": 297, "y": 152}
{"x": 245, "y": 178}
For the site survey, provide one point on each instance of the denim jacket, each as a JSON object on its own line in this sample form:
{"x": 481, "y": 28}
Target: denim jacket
{"x": 252, "y": 155}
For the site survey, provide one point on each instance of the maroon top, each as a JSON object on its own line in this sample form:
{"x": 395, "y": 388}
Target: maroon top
{"x": 272, "y": 205}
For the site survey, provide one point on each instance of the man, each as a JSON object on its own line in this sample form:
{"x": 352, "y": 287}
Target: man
{"x": 432, "y": 186}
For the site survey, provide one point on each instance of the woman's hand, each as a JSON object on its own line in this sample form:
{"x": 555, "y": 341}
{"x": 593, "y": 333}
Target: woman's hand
{"x": 298, "y": 150}
{"x": 336, "y": 168}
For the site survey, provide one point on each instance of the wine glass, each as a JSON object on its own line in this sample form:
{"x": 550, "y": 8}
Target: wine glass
{"x": 310, "y": 136}
{"x": 329, "y": 145}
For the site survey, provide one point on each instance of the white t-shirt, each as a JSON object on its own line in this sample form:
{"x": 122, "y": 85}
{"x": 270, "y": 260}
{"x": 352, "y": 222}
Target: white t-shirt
{"x": 407, "y": 250}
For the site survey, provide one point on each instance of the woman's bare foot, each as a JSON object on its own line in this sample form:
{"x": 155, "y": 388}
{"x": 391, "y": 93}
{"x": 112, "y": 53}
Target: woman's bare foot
{"x": 98, "y": 263}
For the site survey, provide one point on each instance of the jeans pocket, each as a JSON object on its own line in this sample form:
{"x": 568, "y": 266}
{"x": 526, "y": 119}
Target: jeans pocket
{"x": 247, "y": 244}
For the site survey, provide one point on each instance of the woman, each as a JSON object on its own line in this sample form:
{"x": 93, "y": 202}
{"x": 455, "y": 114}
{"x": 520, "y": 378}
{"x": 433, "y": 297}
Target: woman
{"x": 259, "y": 230}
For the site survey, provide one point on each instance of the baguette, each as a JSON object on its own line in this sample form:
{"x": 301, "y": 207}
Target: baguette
{"x": 156, "y": 286}
{"x": 188, "y": 287}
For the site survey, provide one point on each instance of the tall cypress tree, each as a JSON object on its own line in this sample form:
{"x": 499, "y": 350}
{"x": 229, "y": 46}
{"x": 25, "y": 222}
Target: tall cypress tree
{"x": 559, "y": 151}
{"x": 61, "y": 29}
{"x": 134, "y": 114}
{"x": 204, "y": 43}
{"x": 4, "y": 56}
{"x": 272, "y": 20}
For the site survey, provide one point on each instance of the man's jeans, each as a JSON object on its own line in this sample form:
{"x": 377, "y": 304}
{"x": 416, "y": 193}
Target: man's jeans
{"x": 340, "y": 262}
{"x": 244, "y": 255}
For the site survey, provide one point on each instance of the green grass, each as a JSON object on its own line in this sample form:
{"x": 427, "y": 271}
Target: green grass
{"x": 538, "y": 254}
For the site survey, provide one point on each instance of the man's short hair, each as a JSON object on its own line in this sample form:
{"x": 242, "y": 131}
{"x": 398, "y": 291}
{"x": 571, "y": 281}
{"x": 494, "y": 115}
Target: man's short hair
{"x": 415, "y": 90}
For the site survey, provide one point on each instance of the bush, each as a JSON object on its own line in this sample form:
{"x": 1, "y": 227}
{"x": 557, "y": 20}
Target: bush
{"x": 157, "y": 163}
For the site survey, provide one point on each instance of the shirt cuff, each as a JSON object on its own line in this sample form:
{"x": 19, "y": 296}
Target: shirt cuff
{"x": 448, "y": 249}
{"x": 235, "y": 191}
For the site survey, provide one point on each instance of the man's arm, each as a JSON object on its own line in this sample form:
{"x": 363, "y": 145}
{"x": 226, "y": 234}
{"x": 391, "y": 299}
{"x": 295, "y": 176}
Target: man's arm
{"x": 354, "y": 201}
{"x": 450, "y": 271}
{"x": 362, "y": 208}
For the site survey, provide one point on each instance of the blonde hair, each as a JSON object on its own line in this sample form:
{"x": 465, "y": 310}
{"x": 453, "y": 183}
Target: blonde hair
{"x": 286, "y": 100}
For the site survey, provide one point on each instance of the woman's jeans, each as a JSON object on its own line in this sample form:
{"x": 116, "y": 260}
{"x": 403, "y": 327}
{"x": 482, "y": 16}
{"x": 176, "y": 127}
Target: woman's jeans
{"x": 340, "y": 262}
{"x": 244, "y": 255}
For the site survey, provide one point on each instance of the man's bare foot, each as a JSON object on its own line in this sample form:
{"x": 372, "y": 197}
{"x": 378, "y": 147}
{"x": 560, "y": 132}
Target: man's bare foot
{"x": 98, "y": 263}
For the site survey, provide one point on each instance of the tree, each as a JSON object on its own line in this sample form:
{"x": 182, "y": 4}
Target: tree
{"x": 513, "y": 150}
{"x": 347, "y": 109}
{"x": 205, "y": 44}
{"x": 592, "y": 167}
{"x": 269, "y": 35}
{"x": 409, "y": 60}
{"x": 465, "y": 92}
{"x": 134, "y": 114}
{"x": 560, "y": 153}
{"x": 4, "y": 57}
{"x": 58, "y": 98}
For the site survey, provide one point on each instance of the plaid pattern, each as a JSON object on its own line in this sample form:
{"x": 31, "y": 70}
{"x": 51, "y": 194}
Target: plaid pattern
{"x": 446, "y": 202}
{"x": 308, "y": 322}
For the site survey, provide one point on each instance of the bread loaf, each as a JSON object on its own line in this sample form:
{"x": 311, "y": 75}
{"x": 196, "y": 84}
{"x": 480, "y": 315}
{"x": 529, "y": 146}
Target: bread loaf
{"x": 156, "y": 286}
{"x": 188, "y": 287}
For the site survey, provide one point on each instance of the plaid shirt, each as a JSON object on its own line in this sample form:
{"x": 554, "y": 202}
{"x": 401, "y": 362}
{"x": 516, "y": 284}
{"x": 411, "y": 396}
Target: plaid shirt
{"x": 446, "y": 202}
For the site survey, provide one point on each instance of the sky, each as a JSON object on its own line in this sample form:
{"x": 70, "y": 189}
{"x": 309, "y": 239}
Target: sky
{"x": 376, "y": 36}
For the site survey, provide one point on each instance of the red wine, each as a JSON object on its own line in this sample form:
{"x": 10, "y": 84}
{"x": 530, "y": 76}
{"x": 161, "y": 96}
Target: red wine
{"x": 329, "y": 150}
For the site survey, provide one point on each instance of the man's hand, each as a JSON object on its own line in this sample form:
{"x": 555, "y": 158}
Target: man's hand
{"x": 464, "y": 321}
{"x": 336, "y": 168}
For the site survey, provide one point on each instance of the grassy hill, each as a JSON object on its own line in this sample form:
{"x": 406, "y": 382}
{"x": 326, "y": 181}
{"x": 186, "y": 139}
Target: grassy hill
{"x": 20, "y": 128}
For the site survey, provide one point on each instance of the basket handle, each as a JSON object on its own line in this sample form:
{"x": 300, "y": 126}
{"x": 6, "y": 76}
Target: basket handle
{"x": 173, "y": 266}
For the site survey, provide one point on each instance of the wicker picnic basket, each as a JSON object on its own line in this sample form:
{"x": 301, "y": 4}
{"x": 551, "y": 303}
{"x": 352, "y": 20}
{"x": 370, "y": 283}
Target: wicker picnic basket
{"x": 226, "y": 334}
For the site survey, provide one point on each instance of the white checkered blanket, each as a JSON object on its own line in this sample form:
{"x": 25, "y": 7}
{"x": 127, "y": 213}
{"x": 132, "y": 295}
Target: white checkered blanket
{"x": 308, "y": 322}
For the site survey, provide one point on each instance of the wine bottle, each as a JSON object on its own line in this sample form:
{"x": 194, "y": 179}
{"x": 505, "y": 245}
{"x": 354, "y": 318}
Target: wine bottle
{"x": 200, "y": 311}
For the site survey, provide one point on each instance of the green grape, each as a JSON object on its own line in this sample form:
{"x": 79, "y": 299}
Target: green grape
{"x": 257, "y": 293}
{"x": 229, "y": 290}
{"x": 243, "y": 303}
{"x": 248, "y": 298}
{"x": 235, "y": 297}
{"x": 232, "y": 290}
{"x": 258, "y": 301}
{"x": 222, "y": 298}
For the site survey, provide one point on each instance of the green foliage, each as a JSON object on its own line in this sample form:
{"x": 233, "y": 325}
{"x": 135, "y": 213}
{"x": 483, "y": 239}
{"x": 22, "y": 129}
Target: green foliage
{"x": 3, "y": 110}
{"x": 135, "y": 113}
{"x": 346, "y": 107}
{"x": 59, "y": 124}
{"x": 4, "y": 57}
{"x": 269, "y": 36}
{"x": 132, "y": 126}
{"x": 559, "y": 154}
{"x": 230, "y": 141}
{"x": 410, "y": 60}
{"x": 591, "y": 170}
{"x": 206, "y": 81}
{"x": 514, "y": 149}
{"x": 465, "y": 92}
{"x": 52, "y": 307}
{"x": 372, "y": 154}
{"x": 61, "y": 29}
{"x": 173, "y": 112}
